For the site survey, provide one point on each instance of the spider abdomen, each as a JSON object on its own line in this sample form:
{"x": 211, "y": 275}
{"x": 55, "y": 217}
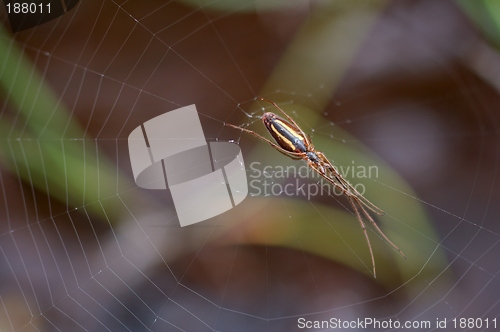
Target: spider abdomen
{"x": 284, "y": 133}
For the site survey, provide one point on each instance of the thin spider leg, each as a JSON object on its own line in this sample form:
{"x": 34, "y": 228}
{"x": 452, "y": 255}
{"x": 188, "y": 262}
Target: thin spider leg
{"x": 341, "y": 186}
{"x": 363, "y": 227}
{"x": 330, "y": 180}
{"x": 379, "y": 230}
{"x": 356, "y": 210}
{"x": 277, "y": 107}
{"x": 361, "y": 200}
{"x": 293, "y": 155}
{"x": 356, "y": 199}
{"x": 372, "y": 207}
{"x": 306, "y": 137}
{"x": 365, "y": 201}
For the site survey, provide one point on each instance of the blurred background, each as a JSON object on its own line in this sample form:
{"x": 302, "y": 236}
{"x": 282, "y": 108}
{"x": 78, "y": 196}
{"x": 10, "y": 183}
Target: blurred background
{"x": 411, "y": 87}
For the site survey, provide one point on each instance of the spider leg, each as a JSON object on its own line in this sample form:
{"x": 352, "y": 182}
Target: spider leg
{"x": 330, "y": 180}
{"x": 367, "y": 203}
{"x": 378, "y": 229}
{"x": 335, "y": 173}
{"x": 363, "y": 227}
{"x": 293, "y": 155}
{"x": 362, "y": 203}
{"x": 352, "y": 200}
{"x": 357, "y": 203}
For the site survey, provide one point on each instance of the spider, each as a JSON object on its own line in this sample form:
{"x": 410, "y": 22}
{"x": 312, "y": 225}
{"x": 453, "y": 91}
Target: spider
{"x": 294, "y": 143}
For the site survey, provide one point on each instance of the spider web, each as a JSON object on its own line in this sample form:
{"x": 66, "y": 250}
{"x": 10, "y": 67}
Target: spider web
{"x": 400, "y": 86}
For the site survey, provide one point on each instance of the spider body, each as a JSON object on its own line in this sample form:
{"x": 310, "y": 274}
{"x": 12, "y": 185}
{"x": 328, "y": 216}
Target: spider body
{"x": 312, "y": 156}
{"x": 294, "y": 143}
{"x": 286, "y": 134}
{"x": 290, "y": 137}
